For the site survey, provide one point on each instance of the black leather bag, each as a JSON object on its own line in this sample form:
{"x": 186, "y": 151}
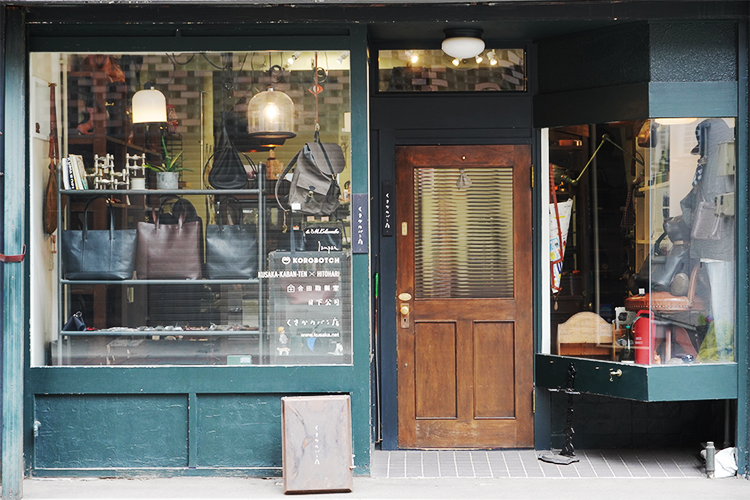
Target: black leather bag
{"x": 231, "y": 250}
{"x": 102, "y": 254}
{"x": 227, "y": 170}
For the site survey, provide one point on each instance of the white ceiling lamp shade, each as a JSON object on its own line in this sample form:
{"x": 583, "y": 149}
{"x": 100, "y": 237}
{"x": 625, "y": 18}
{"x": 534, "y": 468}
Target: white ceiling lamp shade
{"x": 270, "y": 117}
{"x": 149, "y": 106}
{"x": 463, "y": 43}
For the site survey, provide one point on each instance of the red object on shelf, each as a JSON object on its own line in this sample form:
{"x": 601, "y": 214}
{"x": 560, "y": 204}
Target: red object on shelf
{"x": 644, "y": 334}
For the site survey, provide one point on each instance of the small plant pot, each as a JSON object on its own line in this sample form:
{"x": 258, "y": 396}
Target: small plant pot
{"x": 167, "y": 180}
{"x": 138, "y": 183}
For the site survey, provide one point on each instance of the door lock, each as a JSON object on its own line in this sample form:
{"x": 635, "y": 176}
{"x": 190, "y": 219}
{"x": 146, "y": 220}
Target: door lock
{"x": 614, "y": 373}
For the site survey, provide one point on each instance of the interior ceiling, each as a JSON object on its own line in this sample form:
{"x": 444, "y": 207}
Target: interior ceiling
{"x": 431, "y": 33}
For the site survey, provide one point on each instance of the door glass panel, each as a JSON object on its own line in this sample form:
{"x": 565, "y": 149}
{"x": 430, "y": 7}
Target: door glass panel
{"x": 463, "y": 232}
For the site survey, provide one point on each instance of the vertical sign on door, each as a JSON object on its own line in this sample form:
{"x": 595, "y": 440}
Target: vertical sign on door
{"x": 387, "y": 204}
{"x": 360, "y": 239}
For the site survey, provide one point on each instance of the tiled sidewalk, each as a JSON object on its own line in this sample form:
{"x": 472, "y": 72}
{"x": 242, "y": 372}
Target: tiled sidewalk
{"x": 524, "y": 463}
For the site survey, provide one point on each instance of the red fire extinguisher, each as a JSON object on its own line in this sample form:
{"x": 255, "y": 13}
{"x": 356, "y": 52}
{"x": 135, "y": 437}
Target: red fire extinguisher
{"x": 644, "y": 335}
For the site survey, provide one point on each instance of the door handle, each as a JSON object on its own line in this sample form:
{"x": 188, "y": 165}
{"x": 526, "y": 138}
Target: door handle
{"x": 404, "y": 310}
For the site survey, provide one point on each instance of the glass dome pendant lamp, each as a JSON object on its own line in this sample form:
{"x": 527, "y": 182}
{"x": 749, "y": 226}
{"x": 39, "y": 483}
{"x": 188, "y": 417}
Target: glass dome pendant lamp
{"x": 270, "y": 117}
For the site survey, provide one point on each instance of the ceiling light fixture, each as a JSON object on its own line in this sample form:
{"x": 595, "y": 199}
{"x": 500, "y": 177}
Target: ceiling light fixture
{"x": 479, "y": 58}
{"x": 492, "y": 57}
{"x": 463, "y": 43}
{"x": 341, "y": 58}
{"x": 456, "y": 62}
{"x": 270, "y": 118}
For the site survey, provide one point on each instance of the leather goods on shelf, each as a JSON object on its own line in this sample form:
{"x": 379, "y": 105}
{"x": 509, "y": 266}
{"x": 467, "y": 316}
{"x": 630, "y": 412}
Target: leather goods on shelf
{"x": 170, "y": 250}
{"x": 231, "y": 250}
{"x": 102, "y": 254}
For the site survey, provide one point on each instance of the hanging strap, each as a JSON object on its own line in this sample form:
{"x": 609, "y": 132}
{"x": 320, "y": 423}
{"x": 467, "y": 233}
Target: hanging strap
{"x": 13, "y": 258}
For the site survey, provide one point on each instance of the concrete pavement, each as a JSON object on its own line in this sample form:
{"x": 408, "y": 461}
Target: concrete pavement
{"x": 366, "y": 488}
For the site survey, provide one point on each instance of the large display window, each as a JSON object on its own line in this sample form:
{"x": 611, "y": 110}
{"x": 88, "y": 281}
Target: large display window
{"x": 642, "y": 241}
{"x": 203, "y": 208}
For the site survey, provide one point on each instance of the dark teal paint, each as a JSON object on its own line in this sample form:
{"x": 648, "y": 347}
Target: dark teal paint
{"x": 639, "y": 382}
{"x": 238, "y": 430}
{"x": 743, "y": 273}
{"x": 702, "y": 99}
{"x": 111, "y": 431}
{"x": 15, "y": 293}
{"x": 361, "y": 298}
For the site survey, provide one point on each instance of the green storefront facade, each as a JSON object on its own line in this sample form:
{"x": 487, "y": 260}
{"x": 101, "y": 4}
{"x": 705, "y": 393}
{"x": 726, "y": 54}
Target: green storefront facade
{"x": 596, "y": 64}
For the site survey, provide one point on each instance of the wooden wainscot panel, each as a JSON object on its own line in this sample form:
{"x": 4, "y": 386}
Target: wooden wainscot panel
{"x": 316, "y": 433}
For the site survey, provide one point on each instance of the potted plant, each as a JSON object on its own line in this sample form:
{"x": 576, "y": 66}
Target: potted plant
{"x": 168, "y": 173}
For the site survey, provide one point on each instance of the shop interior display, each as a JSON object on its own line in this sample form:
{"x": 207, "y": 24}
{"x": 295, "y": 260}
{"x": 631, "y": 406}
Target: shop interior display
{"x": 221, "y": 274}
{"x": 646, "y": 270}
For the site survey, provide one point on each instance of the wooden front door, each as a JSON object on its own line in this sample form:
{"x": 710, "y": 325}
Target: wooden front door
{"x": 464, "y": 305}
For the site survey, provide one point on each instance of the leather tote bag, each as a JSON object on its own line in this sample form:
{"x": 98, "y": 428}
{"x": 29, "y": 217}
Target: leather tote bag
{"x": 231, "y": 250}
{"x": 101, "y": 254}
{"x": 169, "y": 251}
{"x": 227, "y": 170}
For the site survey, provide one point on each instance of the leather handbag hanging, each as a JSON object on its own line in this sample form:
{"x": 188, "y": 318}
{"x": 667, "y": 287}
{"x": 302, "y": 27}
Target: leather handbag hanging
{"x": 49, "y": 208}
{"x": 231, "y": 250}
{"x": 314, "y": 189}
{"x": 102, "y": 254}
{"x": 227, "y": 170}
{"x": 169, "y": 250}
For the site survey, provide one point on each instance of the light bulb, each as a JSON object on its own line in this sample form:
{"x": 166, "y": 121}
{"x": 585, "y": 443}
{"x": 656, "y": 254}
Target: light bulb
{"x": 414, "y": 57}
{"x": 294, "y": 57}
{"x": 479, "y": 58}
{"x": 492, "y": 58}
{"x": 271, "y": 111}
{"x": 456, "y": 62}
{"x": 341, "y": 58}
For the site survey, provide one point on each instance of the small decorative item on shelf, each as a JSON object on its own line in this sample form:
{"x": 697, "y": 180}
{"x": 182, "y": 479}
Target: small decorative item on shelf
{"x": 168, "y": 173}
{"x": 105, "y": 175}
{"x": 136, "y": 166}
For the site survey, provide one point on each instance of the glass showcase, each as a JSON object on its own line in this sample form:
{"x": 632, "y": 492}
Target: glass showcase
{"x": 645, "y": 212}
{"x": 222, "y": 264}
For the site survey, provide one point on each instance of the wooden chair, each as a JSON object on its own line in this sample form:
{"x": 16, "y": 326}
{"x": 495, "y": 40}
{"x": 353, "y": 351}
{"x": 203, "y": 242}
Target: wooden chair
{"x": 586, "y": 334}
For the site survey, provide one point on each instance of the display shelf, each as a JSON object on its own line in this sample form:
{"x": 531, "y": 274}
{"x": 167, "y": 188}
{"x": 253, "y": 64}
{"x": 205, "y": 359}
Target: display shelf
{"x": 147, "y": 192}
{"x": 248, "y": 281}
{"x": 159, "y": 333}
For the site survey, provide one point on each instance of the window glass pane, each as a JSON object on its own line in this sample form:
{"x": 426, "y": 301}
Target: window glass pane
{"x": 650, "y": 250}
{"x": 463, "y": 237}
{"x": 434, "y": 71}
{"x": 226, "y": 276}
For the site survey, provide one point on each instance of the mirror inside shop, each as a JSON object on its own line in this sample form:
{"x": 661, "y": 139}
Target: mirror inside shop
{"x": 642, "y": 241}
{"x": 198, "y": 211}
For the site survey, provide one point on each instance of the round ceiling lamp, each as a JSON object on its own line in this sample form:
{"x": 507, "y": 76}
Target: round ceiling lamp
{"x": 270, "y": 118}
{"x": 463, "y": 43}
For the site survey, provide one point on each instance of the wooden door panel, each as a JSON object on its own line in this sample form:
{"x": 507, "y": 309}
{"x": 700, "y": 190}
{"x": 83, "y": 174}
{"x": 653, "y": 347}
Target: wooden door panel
{"x": 465, "y": 352}
{"x": 494, "y": 370}
{"x": 435, "y": 370}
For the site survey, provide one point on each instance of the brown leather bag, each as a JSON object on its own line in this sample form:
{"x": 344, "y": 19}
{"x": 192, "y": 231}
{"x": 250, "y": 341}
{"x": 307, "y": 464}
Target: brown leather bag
{"x": 49, "y": 208}
{"x": 169, "y": 251}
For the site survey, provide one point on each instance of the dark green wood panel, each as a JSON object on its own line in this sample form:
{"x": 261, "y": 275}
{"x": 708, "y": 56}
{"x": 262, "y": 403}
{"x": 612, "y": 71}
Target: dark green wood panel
{"x": 111, "y": 431}
{"x": 597, "y": 105}
{"x": 239, "y": 430}
{"x": 639, "y": 382}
